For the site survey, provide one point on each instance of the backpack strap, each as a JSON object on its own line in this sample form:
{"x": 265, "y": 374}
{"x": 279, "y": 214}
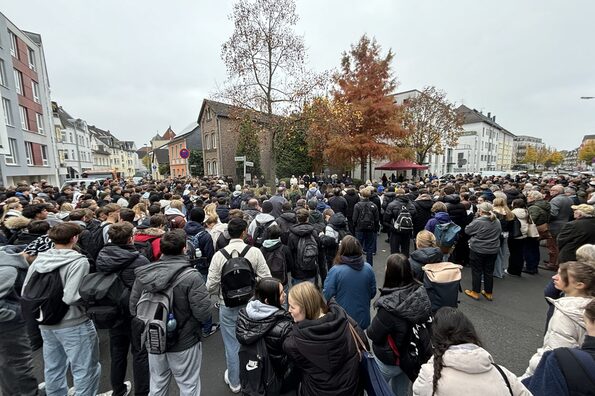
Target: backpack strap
{"x": 504, "y": 377}
{"x": 574, "y": 364}
{"x": 245, "y": 251}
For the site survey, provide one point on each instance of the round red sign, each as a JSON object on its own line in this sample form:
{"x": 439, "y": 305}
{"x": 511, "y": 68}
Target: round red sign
{"x": 184, "y": 153}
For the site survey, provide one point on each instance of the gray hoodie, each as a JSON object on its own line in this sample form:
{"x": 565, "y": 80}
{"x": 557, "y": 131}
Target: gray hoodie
{"x": 73, "y": 266}
{"x": 12, "y": 266}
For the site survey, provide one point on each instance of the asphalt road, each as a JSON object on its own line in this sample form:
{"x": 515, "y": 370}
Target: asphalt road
{"x": 511, "y": 327}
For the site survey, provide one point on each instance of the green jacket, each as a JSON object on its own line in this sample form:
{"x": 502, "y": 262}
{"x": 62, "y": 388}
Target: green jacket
{"x": 539, "y": 212}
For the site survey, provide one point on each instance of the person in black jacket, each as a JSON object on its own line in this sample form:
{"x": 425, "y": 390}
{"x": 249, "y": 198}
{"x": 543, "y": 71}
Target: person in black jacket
{"x": 277, "y": 255}
{"x": 400, "y": 240}
{"x": 338, "y": 203}
{"x": 264, "y": 317}
{"x": 119, "y": 256}
{"x": 285, "y": 221}
{"x": 321, "y": 345}
{"x": 423, "y": 212}
{"x": 577, "y": 233}
{"x": 352, "y": 198}
{"x": 366, "y": 216}
{"x": 403, "y": 302}
{"x": 296, "y": 232}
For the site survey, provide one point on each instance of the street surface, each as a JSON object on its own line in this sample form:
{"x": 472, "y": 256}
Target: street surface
{"x": 511, "y": 327}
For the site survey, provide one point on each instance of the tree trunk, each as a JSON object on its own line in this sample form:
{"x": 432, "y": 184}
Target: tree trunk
{"x": 362, "y": 171}
{"x": 370, "y": 167}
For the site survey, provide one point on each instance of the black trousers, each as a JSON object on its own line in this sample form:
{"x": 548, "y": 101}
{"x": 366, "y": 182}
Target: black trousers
{"x": 16, "y": 364}
{"x": 123, "y": 338}
{"x": 399, "y": 242}
{"x": 482, "y": 265}
{"x": 516, "y": 257}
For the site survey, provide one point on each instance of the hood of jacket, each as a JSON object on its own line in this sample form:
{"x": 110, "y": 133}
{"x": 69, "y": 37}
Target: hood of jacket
{"x": 542, "y": 204}
{"x": 114, "y": 258}
{"x": 520, "y": 213}
{"x": 351, "y": 192}
{"x": 271, "y": 244}
{"x": 148, "y": 233}
{"x": 572, "y": 307}
{"x": 301, "y": 229}
{"x": 173, "y": 211}
{"x": 257, "y": 320}
{"x": 16, "y": 222}
{"x": 236, "y": 194}
{"x": 10, "y": 256}
{"x": 425, "y": 204}
{"x": 55, "y": 258}
{"x": 410, "y": 302}
{"x": 316, "y": 217}
{"x": 389, "y": 195}
{"x": 322, "y": 340}
{"x": 264, "y": 218}
{"x": 442, "y": 217}
{"x": 401, "y": 200}
{"x": 468, "y": 358}
{"x": 159, "y": 275}
{"x": 429, "y": 255}
{"x": 288, "y": 217}
{"x": 355, "y": 262}
{"x": 193, "y": 228}
{"x": 452, "y": 199}
{"x": 338, "y": 221}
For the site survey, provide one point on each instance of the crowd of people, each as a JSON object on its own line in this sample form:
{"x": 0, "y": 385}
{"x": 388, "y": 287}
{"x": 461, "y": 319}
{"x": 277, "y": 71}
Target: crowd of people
{"x": 288, "y": 272}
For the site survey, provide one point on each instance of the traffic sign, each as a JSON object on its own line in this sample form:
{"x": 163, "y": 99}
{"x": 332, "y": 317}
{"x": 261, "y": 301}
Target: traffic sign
{"x": 154, "y": 167}
{"x": 242, "y": 158}
{"x": 184, "y": 153}
{"x": 248, "y": 163}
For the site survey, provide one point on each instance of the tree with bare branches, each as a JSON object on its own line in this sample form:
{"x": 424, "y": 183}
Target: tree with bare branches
{"x": 433, "y": 123}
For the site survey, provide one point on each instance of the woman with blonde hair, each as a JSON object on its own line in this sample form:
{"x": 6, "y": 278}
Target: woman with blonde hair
{"x": 506, "y": 217}
{"x": 427, "y": 252}
{"x": 140, "y": 212}
{"x": 211, "y": 211}
{"x": 322, "y": 330}
{"x": 175, "y": 216}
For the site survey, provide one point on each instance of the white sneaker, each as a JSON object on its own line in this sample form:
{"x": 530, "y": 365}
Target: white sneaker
{"x": 41, "y": 386}
{"x": 233, "y": 389}
{"x": 71, "y": 391}
{"x": 110, "y": 393}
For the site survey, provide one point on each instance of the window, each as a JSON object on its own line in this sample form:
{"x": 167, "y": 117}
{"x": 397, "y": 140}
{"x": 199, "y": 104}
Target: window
{"x": 40, "y": 128}
{"x": 29, "y": 151}
{"x": 11, "y": 158}
{"x": 208, "y": 114}
{"x": 214, "y": 140}
{"x": 24, "y": 119}
{"x": 13, "y": 44}
{"x": 44, "y": 155}
{"x": 208, "y": 139}
{"x": 71, "y": 138}
{"x": 31, "y": 58}
{"x": 72, "y": 152}
{"x": 18, "y": 80}
{"x": 2, "y": 73}
{"x": 7, "y": 112}
{"x": 215, "y": 171}
{"x": 35, "y": 91}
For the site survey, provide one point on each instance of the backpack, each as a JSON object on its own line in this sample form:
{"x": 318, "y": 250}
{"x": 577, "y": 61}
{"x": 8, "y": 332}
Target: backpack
{"x": 365, "y": 221}
{"x": 307, "y": 253}
{"x": 578, "y": 368}
{"x": 94, "y": 242}
{"x": 102, "y": 294}
{"x": 236, "y": 202}
{"x": 416, "y": 349}
{"x": 146, "y": 248}
{"x": 152, "y": 310}
{"x": 276, "y": 262}
{"x": 261, "y": 233}
{"x": 194, "y": 253}
{"x": 443, "y": 283}
{"x": 403, "y": 222}
{"x": 238, "y": 279}
{"x": 41, "y": 300}
{"x": 257, "y": 375}
{"x": 446, "y": 234}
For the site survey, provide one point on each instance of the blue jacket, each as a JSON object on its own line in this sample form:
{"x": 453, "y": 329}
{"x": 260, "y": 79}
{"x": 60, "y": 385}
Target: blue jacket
{"x": 353, "y": 285}
{"x": 439, "y": 218}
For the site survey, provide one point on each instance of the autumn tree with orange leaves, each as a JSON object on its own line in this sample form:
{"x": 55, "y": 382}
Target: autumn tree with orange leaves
{"x": 360, "y": 122}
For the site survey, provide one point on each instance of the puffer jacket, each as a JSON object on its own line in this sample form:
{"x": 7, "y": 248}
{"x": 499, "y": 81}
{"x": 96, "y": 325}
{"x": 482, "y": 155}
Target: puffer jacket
{"x": 456, "y": 210}
{"x": 191, "y": 302}
{"x": 467, "y": 370}
{"x": 523, "y": 216}
{"x": 295, "y": 233}
{"x": 423, "y": 213}
{"x": 398, "y": 308}
{"x": 423, "y": 256}
{"x": 285, "y": 221}
{"x": 387, "y": 199}
{"x": 335, "y": 230}
{"x": 259, "y": 320}
{"x": 513, "y": 194}
{"x": 324, "y": 351}
{"x": 394, "y": 209}
{"x": 565, "y": 329}
{"x": 154, "y": 236}
{"x": 539, "y": 211}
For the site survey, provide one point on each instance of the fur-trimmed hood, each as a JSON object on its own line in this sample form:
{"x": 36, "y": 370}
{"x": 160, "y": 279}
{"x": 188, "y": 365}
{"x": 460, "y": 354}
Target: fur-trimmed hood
{"x": 151, "y": 231}
{"x": 16, "y": 222}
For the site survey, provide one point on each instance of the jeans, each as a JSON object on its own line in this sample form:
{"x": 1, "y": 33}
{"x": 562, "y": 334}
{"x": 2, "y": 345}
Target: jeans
{"x": 499, "y": 266}
{"x": 482, "y": 264}
{"x": 77, "y": 346}
{"x": 367, "y": 240}
{"x": 121, "y": 339}
{"x": 295, "y": 281}
{"x": 228, "y": 318}
{"x": 207, "y": 324}
{"x": 16, "y": 365}
{"x": 399, "y": 242}
{"x": 183, "y": 365}
{"x": 396, "y": 378}
{"x": 531, "y": 254}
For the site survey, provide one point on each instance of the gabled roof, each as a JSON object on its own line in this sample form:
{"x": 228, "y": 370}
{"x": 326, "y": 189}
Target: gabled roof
{"x": 156, "y": 137}
{"x": 184, "y": 135}
{"x": 162, "y": 155}
{"x": 143, "y": 152}
{"x": 588, "y": 137}
{"x": 169, "y": 134}
{"x": 472, "y": 116}
{"x": 226, "y": 110}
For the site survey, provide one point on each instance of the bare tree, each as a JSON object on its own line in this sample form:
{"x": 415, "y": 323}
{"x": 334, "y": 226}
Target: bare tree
{"x": 265, "y": 62}
{"x": 433, "y": 123}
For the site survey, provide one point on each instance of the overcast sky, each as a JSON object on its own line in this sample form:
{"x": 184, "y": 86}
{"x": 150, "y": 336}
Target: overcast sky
{"x": 135, "y": 67}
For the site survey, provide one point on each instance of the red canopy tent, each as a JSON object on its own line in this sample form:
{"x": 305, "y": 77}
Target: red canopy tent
{"x": 400, "y": 165}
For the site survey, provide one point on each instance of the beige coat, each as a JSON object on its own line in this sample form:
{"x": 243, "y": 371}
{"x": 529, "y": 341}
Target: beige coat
{"x": 467, "y": 370}
{"x": 566, "y": 328}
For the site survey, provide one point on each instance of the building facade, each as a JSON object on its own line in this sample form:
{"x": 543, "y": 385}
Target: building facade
{"x": 73, "y": 142}
{"x": 217, "y": 124}
{"x": 26, "y": 135}
{"x": 522, "y": 143}
{"x": 190, "y": 139}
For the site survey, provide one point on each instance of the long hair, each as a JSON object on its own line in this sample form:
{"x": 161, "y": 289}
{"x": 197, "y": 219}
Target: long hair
{"x": 450, "y": 327}
{"x": 306, "y": 296}
{"x": 349, "y": 246}
{"x": 267, "y": 292}
{"x": 398, "y": 272}
{"x": 501, "y": 207}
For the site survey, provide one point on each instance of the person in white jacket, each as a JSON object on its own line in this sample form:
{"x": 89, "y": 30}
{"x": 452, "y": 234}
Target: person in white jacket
{"x": 460, "y": 366}
{"x": 567, "y": 326}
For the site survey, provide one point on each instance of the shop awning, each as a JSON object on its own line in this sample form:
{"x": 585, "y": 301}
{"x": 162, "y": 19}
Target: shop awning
{"x": 400, "y": 165}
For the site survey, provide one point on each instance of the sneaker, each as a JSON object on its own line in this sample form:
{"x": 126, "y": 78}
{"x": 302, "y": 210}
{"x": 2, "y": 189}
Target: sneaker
{"x": 233, "y": 389}
{"x": 488, "y": 296}
{"x": 472, "y": 294}
{"x": 110, "y": 393}
{"x": 508, "y": 273}
{"x": 71, "y": 392}
{"x": 214, "y": 328}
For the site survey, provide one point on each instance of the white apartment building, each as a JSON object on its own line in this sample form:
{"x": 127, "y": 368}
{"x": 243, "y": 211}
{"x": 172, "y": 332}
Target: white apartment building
{"x": 73, "y": 142}
{"x": 522, "y": 143}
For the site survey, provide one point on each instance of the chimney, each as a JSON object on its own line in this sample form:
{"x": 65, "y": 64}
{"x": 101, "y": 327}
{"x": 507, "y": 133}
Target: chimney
{"x": 494, "y": 118}
{"x": 489, "y": 115}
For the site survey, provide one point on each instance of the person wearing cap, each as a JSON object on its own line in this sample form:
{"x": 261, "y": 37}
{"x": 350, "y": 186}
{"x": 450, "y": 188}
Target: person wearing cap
{"x": 576, "y": 233}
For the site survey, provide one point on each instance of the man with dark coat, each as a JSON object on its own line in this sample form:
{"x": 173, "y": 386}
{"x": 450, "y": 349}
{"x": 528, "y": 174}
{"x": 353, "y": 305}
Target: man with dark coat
{"x": 400, "y": 240}
{"x": 352, "y": 198}
{"x": 302, "y": 230}
{"x": 423, "y": 212}
{"x": 366, "y": 221}
{"x": 285, "y": 221}
{"x": 338, "y": 203}
{"x": 120, "y": 257}
{"x": 577, "y": 233}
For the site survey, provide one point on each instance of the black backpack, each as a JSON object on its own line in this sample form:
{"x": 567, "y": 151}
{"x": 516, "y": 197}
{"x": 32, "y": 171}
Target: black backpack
{"x": 578, "y": 368}
{"x": 403, "y": 222}
{"x": 42, "y": 296}
{"x": 94, "y": 242}
{"x": 257, "y": 375}
{"x": 236, "y": 202}
{"x": 365, "y": 221}
{"x": 146, "y": 248}
{"x": 261, "y": 233}
{"x": 416, "y": 349}
{"x": 238, "y": 279}
{"x": 103, "y": 294}
{"x": 307, "y": 253}
{"x": 276, "y": 262}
